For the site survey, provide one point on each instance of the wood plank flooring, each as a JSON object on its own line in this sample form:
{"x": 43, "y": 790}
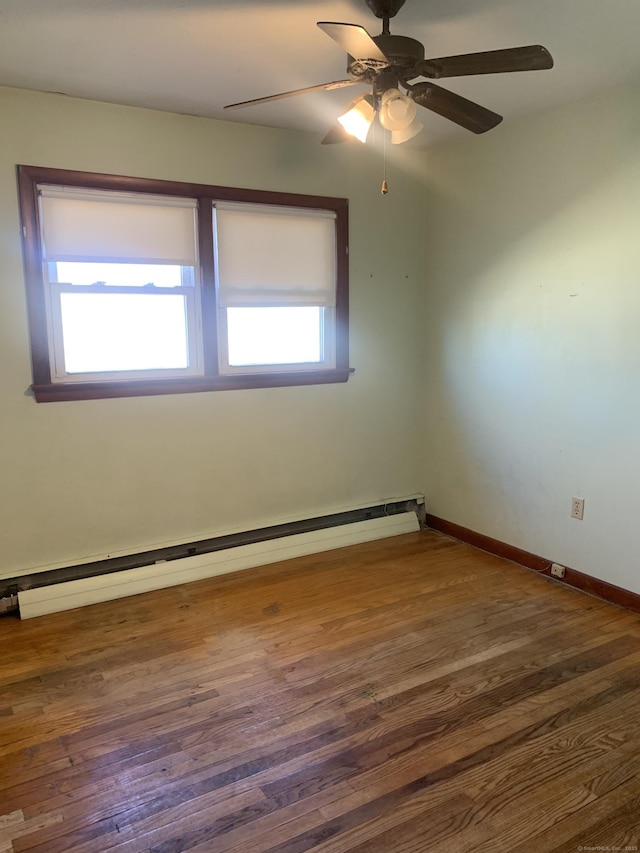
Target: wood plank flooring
{"x": 402, "y": 696}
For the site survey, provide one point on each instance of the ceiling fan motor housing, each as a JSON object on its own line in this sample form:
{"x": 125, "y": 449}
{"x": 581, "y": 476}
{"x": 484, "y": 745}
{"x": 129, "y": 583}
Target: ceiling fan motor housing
{"x": 385, "y": 8}
{"x": 403, "y": 53}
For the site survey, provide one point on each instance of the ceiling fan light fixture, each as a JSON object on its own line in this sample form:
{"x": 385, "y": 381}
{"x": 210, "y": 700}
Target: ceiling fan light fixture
{"x": 359, "y": 117}
{"x": 413, "y": 129}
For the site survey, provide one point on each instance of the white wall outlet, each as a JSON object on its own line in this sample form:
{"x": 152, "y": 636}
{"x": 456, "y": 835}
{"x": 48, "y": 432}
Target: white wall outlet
{"x": 557, "y": 570}
{"x": 577, "y": 508}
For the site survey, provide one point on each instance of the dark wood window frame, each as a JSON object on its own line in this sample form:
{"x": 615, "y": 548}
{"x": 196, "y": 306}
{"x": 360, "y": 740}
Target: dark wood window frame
{"x": 45, "y": 390}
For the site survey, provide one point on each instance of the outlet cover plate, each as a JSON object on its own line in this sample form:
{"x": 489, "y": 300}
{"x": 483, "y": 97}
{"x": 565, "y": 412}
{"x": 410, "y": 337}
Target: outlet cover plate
{"x": 577, "y": 508}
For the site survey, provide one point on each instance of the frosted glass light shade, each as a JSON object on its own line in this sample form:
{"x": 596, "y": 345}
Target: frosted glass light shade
{"x": 359, "y": 118}
{"x": 397, "y": 111}
{"x": 399, "y": 136}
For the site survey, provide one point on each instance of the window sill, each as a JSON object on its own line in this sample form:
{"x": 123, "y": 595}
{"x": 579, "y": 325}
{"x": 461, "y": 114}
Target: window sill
{"x": 59, "y": 391}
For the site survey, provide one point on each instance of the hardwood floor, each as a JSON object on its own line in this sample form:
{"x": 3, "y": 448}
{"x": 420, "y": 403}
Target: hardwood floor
{"x": 407, "y": 695}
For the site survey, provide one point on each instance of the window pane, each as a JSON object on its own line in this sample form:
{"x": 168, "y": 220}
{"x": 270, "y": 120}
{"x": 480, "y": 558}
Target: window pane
{"x": 121, "y": 275}
{"x": 274, "y": 335}
{"x": 113, "y": 331}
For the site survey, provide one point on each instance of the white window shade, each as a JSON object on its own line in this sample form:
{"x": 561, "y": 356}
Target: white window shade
{"x": 268, "y": 256}
{"x": 85, "y": 225}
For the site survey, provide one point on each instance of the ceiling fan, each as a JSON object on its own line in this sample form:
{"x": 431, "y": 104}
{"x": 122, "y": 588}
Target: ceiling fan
{"x": 390, "y": 63}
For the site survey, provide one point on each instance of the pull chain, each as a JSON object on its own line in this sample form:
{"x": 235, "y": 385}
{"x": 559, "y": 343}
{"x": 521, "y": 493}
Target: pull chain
{"x": 385, "y": 189}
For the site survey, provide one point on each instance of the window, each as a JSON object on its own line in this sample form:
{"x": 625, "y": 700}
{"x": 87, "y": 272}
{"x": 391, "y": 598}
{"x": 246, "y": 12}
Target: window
{"x": 149, "y": 287}
{"x": 277, "y": 301}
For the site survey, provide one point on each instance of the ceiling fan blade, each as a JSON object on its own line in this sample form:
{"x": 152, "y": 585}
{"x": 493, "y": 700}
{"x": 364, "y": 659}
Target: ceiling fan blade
{"x": 533, "y": 57}
{"x": 337, "y": 84}
{"x": 466, "y": 113}
{"x": 336, "y": 134}
{"x": 353, "y": 39}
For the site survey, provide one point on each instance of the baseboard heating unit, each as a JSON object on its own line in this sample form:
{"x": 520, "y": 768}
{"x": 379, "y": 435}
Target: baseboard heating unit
{"x": 38, "y": 595}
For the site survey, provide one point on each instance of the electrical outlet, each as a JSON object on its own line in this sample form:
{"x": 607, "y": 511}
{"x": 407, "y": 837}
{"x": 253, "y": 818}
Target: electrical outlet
{"x": 577, "y": 508}
{"x": 557, "y": 570}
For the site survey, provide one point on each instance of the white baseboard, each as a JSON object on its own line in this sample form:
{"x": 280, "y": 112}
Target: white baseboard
{"x": 78, "y": 593}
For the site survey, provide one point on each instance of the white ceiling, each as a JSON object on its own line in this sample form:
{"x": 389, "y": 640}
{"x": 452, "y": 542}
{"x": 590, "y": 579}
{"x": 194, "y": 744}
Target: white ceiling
{"x": 194, "y": 56}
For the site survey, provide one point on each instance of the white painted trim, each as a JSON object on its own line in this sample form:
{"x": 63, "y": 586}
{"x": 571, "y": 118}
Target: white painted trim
{"x": 211, "y": 534}
{"x": 78, "y": 593}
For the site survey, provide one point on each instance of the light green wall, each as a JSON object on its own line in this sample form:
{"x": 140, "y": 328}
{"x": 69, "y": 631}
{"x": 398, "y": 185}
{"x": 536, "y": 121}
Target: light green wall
{"x": 95, "y": 477}
{"x": 532, "y": 335}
